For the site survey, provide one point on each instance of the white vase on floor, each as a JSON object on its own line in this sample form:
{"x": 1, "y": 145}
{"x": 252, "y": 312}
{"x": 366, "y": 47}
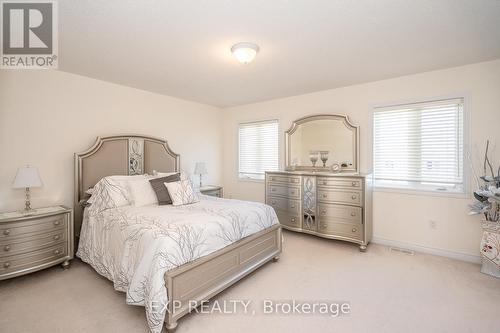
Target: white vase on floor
{"x": 490, "y": 248}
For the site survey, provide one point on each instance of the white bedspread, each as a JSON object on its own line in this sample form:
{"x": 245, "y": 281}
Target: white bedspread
{"x": 135, "y": 246}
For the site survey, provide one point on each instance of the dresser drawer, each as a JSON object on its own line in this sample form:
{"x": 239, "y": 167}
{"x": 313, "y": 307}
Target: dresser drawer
{"x": 340, "y": 182}
{"x": 283, "y": 179}
{"x": 346, "y": 214}
{"x": 349, "y": 230}
{"x": 288, "y": 219}
{"x": 284, "y": 204}
{"x": 33, "y": 243}
{"x": 340, "y": 196}
{"x": 13, "y": 230}
{"x": 286, "y": 191}
{"x": 32, "y": 259}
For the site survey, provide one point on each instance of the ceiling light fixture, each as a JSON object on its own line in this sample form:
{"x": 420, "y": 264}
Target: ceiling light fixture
{"x": 245, "y": 52}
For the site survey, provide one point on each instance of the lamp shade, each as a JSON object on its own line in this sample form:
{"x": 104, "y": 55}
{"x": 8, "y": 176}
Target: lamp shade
{"x": 200, "y": 169}
{"x": 27, "y": 176}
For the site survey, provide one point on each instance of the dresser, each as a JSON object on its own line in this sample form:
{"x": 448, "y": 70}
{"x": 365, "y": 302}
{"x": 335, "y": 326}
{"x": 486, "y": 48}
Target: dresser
{"x": 34, "y": 242}
{"x": 329, "y": 205}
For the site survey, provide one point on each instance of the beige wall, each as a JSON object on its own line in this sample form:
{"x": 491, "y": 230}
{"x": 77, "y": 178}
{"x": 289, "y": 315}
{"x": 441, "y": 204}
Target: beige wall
{"x": 398, "y": 217}
{"x": 46, "y": 116}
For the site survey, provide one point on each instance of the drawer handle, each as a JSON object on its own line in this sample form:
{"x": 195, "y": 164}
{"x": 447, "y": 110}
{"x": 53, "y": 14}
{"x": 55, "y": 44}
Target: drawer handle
{"x": 324, "y": 182}
{"x": 273, "y": 190}
{"x": 353, "y": 197}
{"x": 354, "y": 229}
{"x": 325, "y": 195}
{"x": 6, "y": 265}
{"x": 272, "y": 178}
{"x": 57, "y": 222}
{"x": 292, "y": 206}
{"x": 353, "y": 214}
{"x": 293, "y": 219}
{"x": 6, "y": 248}
{"x": 323, "y": 212}
{"x": 56, "y": 252}
{"x": 323, "y": 225}
{"x": 56, "y": 237}
{"x": 354, "y": 184}
{"x": 6, "y": 232}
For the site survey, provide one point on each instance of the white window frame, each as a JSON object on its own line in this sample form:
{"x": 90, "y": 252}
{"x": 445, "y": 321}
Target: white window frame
{"x": 463, "y": 192}
{"x": 257, "y": 177}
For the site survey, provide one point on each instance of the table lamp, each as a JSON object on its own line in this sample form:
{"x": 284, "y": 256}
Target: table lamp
{"x": 26, "y": 178}
{"x": 200, "y": 169}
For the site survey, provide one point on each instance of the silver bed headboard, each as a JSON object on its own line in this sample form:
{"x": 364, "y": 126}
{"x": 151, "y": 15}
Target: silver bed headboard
{"x": 119, "y": 155}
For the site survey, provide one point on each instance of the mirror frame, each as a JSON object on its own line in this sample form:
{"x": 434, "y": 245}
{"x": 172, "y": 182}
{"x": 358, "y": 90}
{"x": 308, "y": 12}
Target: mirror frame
{"x": 347, "y": 123}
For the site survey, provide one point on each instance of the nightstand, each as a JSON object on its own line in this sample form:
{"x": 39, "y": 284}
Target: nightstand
{"x": 212, "y": 190}
{"x": 29, "y": 243}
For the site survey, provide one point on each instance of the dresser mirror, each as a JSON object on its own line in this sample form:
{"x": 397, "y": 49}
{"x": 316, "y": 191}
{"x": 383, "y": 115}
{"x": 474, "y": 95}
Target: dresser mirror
{"x": 328, "y": 143}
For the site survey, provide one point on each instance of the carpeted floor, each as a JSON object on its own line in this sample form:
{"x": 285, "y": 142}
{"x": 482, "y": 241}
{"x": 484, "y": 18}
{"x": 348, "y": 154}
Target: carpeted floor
{"x": 387, "y": 292}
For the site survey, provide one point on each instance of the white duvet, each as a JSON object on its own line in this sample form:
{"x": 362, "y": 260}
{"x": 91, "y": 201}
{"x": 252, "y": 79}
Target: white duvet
{"x": 135, "y": 246}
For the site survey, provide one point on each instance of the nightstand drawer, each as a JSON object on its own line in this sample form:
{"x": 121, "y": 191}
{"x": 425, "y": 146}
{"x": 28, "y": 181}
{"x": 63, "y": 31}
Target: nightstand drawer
{"x": 21, "y": 228}
{"x": 27, "y": 244}
{"x": 213, "y": 193}
{"x": 31, "y": 259}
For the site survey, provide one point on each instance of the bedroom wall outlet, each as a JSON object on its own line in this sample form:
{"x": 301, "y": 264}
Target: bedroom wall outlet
{"x": 433, "y": 224}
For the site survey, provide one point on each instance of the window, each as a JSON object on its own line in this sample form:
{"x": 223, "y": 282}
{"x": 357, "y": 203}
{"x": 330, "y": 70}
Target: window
{"x": 258, "y": 149}
{"x": 419, "y": 146}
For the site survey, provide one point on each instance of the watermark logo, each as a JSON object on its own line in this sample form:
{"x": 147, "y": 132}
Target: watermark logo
{"x": 29, "y": 34}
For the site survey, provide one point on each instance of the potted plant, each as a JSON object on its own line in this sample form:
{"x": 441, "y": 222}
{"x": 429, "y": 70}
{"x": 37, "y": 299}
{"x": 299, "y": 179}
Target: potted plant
{"x": 488, "y": 204}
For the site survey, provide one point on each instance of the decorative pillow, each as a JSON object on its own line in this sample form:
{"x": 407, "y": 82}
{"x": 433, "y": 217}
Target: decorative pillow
{"x": 160, "y": 189}
{"x": 182, "y": 192}
{"x": 141, "y": 193}
{"x": 108, "y": 193}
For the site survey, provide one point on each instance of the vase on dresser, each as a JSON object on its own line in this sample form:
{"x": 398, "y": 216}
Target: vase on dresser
{"x": 490, "y": 248}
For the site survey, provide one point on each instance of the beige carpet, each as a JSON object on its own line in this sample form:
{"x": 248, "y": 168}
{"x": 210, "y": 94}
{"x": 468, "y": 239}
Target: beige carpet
{"x": 388, "y": 292}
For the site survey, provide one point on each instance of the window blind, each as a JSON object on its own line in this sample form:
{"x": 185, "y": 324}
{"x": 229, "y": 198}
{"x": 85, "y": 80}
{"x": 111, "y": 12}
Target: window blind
{"x": 419, "y": 145}
{"x": 258, "y": 148}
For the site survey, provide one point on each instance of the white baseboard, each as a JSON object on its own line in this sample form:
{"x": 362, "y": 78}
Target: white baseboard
{"x": 476, "y": 259}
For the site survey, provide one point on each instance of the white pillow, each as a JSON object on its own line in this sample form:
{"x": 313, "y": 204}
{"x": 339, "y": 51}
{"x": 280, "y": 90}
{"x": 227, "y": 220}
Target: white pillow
{"x": 183, "y": 175}
{"x": 108, "y": 193}
{"x": 182, "y": 192}
{"x": 142, "y": 193}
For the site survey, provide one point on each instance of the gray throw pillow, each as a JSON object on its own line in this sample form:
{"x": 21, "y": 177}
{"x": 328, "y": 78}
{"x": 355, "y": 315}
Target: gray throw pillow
{"x": 160, "y": 189}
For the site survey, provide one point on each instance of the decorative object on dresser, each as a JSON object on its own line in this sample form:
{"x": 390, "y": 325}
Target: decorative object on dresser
{"x": 213, "y": 190}
{"x": 200, "y": 169}
{"x": 488, "y": 204}
{"x": 34, "y": 242}
{"x": 334, "y": 204}
{"x": 27, "y": 177}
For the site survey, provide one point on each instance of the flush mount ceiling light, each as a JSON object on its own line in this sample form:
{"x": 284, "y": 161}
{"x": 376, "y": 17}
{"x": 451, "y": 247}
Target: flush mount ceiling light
{"x": 245, "y": 52}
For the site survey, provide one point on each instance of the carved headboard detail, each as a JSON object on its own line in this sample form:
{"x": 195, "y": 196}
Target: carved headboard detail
{"x": 119, "y": 155}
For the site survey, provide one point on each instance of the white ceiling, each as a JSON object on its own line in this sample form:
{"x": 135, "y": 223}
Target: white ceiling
{"x": 181, "y": 47}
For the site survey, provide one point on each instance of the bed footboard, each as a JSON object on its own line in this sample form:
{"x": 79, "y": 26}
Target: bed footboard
{"x": 200, "y": 280}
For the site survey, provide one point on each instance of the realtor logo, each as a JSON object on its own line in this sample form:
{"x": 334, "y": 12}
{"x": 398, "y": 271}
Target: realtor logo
{"x": 29, "y": 34}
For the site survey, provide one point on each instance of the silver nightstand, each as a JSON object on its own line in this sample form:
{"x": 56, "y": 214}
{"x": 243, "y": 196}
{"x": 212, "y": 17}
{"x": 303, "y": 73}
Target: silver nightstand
{"x": 29, "y": 243}
{"x": 212, "y": 190}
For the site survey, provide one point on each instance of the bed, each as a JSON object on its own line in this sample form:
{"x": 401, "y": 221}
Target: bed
{"x": 165, "y": 258}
